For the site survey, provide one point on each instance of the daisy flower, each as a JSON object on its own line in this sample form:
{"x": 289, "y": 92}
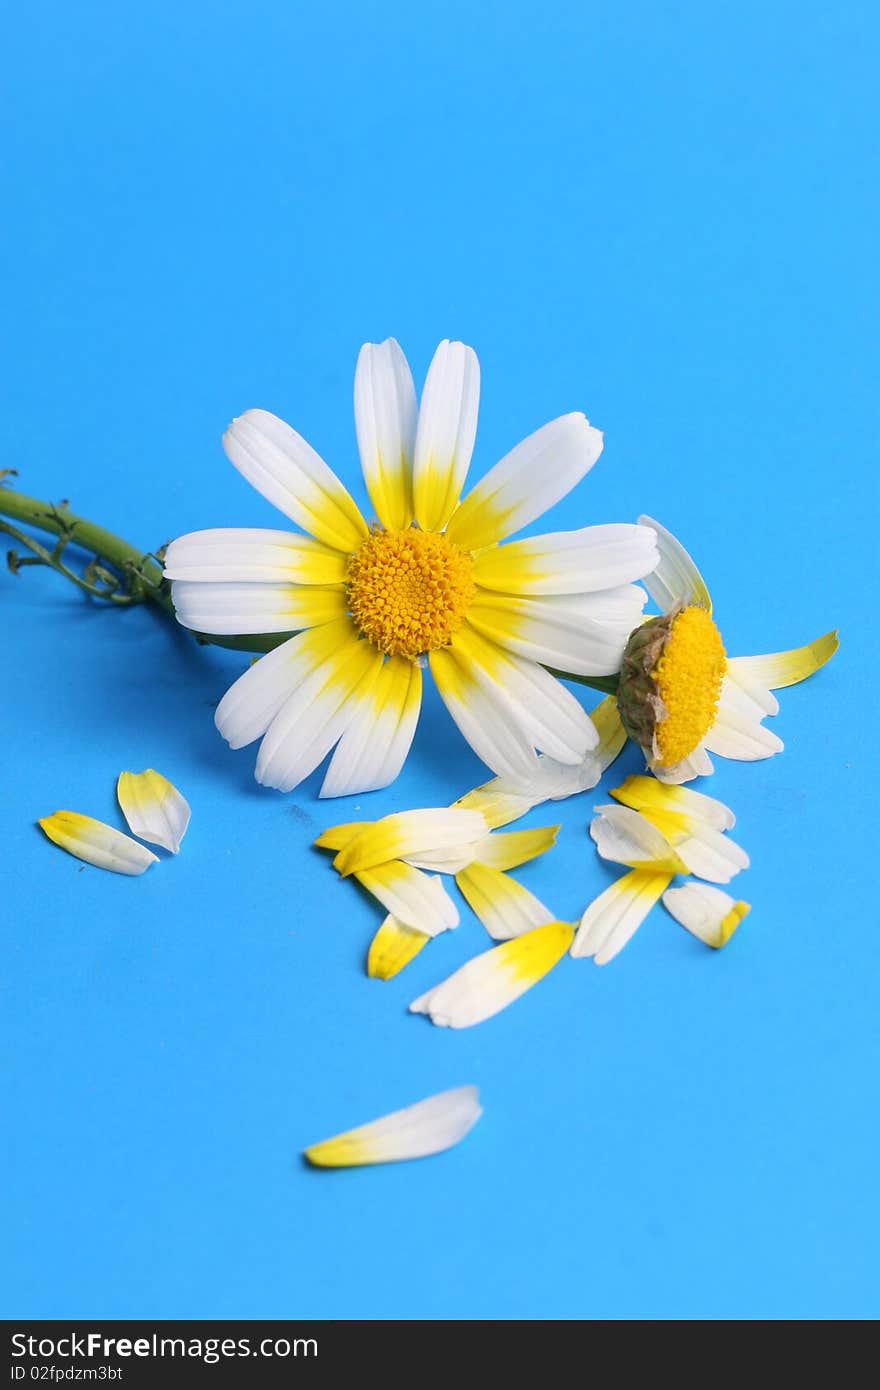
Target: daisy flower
{"x": 427, "y": 581}
{"x": 680, "y": 696}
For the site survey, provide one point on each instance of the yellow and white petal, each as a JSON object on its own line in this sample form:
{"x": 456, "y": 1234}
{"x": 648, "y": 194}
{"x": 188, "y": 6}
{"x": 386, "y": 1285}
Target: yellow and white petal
{"x": 504, "y": 851}
{"x": 482, "y": 712}
{"x": 96, "y": 843}
{"x": 505, "y": 908}
{"x": 709, "y": 913}
{"x": 752, "y": 691}
{"x": 228, "y": 555}
{"x": 627, "y": 837}
{"x": 491, "y": 981}
{"x": 612, "y": 735}
{"x": 676, "y": 580}
{"x": 563, "y": 632}
{"x": 407, "y": 833}
{"x": 712, "y": 855}
{"x": 738, "y": 732}
{"x": 540, "y": 705}
{"x": 385, "y": 415}
{"x": 428, "y": 1127}
{"x": 286, "y": 470}
{"x": 527, "y": 481}
{"x": 696, "y": 764}
{"x": 775, "y": 670}
{"x": 336, "y": 837}
{"x": 414, "y": 898}
{"x": 236, "y": 609}
{"x": 568, "y": 562}
{"x": 647, "y": 794}
{"x": 153, "y": 808}
{"x": 373, "y": 748}
{"x": 616, "y": 915}
{"x": 446, "y": 432}
{"x": 253, "y": 701}
{"x": 316, "y": 715}
{"x": 393, "y": 947}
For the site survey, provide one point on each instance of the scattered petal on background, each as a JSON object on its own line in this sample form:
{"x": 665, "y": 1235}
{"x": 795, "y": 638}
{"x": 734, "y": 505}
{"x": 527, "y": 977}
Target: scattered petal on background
{"x": 428, "y": 1127}
{"x": 709, "y": 913}
{"x": 647, "y": 794}
{"x": 505, "y": 908}
{"x": 393, "y": 947}
{"x": 491, "y": 981}
{"x": 96, "y": 843}
{"x": 413, "y": 897}
{"x": 407, "y": 833}
{"x": 613, "y": 917}
{"x": 153, "y": 808}
{"x": 627, "y": 837}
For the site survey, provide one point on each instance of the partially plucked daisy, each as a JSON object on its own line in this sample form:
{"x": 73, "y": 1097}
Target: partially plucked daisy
{"x": 426, "y": 580}
{"x": 680, "y": 696}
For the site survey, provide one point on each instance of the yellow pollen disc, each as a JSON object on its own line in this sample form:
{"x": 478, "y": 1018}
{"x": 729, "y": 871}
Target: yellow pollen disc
{"x": 688, "y": 677}
{"x": 409, "y": 591}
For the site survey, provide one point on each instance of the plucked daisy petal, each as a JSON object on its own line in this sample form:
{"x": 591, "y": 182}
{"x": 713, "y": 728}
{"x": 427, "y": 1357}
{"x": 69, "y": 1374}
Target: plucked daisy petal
{"x": 316, "y": 715}
{"x": 505, "y": 799}
{"x": 491, "y": 981}
{"x": 568, "y": 562}
{"x": 574, "y": 633}
{"x": 709, "y": 913}
{"x": 228, "y": 555}
{"x": 238, "y": 609}
{"x": 393, "y": 947}
{"x": 447, "y": 428}
{"x": 737, "y": 732}
{"x": 252, "y": 702}
{"x": 628, "y": 837}
{"x": 413, "y": 897}
{"x": 527, "y": 481}
{"x": 504, "y": 851}
{"x": 616, "y": 915}
{"x": 676, "y": 580}
{"x": 505, "y": 908}
{"x": 153, "y": 808}
{"x": 646, "y": 793}
{"x": 703, "y": 850}
{"x": 385, "y": 415}
{"x": 428, "y": 1127}
{"x": 373, "y": 748}
{"x": 286, "y": 470}
{"x": 778, "y": 669}
{"x": 406, "y": 833}
{"x": 96, "y": 843}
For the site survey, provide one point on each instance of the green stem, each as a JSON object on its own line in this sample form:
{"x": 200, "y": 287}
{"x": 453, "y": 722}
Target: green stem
{"x": 607, "y": 684}
{"x": 141, "y": 573}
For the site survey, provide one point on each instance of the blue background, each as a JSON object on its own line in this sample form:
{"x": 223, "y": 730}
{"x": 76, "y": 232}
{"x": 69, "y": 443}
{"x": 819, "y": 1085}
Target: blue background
{"x": 663, "y": 215}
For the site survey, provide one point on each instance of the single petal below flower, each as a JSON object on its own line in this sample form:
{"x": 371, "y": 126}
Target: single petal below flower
{"x": 428, "y": 1127}
{"x": 613, "y": 918}
{"x": 505, "y": 908}
{"x": 707, "y": 912}
{"x": 96, "y": 843}
{"x": 489, "y": 982}
{"x": 394, "y": 946}
{"x": 153, "y": 807}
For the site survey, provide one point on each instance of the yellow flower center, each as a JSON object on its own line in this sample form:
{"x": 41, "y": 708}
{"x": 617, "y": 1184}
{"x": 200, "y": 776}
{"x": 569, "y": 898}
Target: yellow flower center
{"x": 688, "y": 677}
{"x": 409, "y": 591}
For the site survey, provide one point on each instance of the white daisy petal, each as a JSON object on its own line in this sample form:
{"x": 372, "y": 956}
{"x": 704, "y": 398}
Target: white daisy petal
{"x": 392, "y": 948}
{"x": 385, "y": 415}
{"x": 505, "y": 908}
{"x": 480, "y": 710}
{"x": 710, "y": 854}
{"x": 746, "y": 699}
{"x": 562, "y": 632}
{"x": 96, "y": 843}
{"x": 446, "y": 431}
{"x": 647, "y": 794}
{"x": 428, "y": 1127}
{"x": 227, "y": 555}
{"x": 237, "y": 609}
{"x": 676, "y": 581}
{"x": 696, "y": 764}
{"x": 406, "y": 833}
{"x": 491, "y": 981}
{"x": 527, "y": 481}
{"x": 414, "y": 898}
{"x": 286, "y": 470}
{"x": 760, "y": 695}
{"x": 316, "y": 714}
{"x": 569, "y": 562}
{"x": 373, "y": 748}
{"x": 775, "y": 670}
{"x": 710, "y": 914}
{"x": 616, "y": 915}
{"x": 153, "y": 808}
{"x": 249, "y": 706}
{"x": 627, "y": 837}
{"x": 738, "y": 735}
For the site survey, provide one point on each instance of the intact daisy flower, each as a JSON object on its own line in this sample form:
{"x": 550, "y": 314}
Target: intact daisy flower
{"x": 660, "y": 831}
{"x": 427, "y": 581}
{"x": 681, "y": 697}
